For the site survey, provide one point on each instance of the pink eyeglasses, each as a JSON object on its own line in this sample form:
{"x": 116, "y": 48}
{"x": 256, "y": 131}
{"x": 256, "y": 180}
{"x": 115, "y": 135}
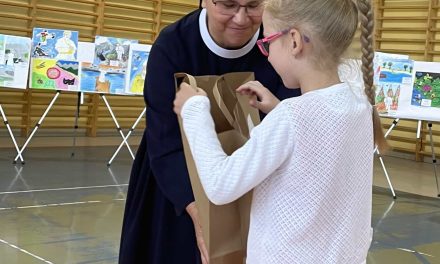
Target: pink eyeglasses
{"x": 263, "y": 44}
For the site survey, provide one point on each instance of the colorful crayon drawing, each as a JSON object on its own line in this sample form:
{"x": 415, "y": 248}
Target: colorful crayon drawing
{"x": 14, "y": 61}
{"x": 54, "y": 44}
{"x": 395, "y": 75}
{"x": 137, "y": 68}
{"x": 54, "y": 74}
{"x": 426, "y": 89}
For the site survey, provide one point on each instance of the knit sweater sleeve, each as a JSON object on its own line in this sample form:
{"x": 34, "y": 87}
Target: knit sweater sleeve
{"x": 226, "y": 178}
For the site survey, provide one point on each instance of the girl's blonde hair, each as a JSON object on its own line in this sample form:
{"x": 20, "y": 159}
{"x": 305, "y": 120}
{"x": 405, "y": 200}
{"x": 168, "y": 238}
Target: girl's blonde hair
{"x": 331, "y": 25}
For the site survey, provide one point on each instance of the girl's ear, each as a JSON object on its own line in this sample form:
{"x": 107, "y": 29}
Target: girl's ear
{"x": 296, "y": 41}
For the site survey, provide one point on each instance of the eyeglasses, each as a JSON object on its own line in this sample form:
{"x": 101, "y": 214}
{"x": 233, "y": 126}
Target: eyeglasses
{"x": 263, "y": 44}
{"x": 230, "y": 8}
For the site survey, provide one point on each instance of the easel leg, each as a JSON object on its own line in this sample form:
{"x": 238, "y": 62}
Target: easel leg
{"x": 124, "y": 141}
{"x": 434, "y": 160}
{"x": 5, "y": 121}
{"x": 392, "y": 127}
{"x": 395, "y": 121}
{"x": 386, "y": 174}
{"x": 36, "y": 127}
{"x": 75, "y": 128}
{"x": 117, "y": 124}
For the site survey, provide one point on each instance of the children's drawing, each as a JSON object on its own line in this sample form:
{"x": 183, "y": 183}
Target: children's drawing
{"x": 54, "y": 74}
{"x": 380, "y": 58}
{"x": 387, "y": 97}
{"x": 2, "y": 49}
{"x": 137, "y": 68}
{"x": 14, "y": 61}
{"x": 54, "y": 44}
{"x": 101, "y": 79}
{"x": 107, "y": 72}
{"x": 426, "y": 89}
{"x": 112, "y": 51}
{"x": 6, "y": 74}
{"x": 395, "y": 75}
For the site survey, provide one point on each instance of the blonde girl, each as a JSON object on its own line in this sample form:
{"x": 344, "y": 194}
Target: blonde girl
{"x": 310, "y": 161}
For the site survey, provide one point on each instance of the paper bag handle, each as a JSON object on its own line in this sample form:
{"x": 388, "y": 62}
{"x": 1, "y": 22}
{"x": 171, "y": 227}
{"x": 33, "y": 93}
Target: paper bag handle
{"x": 223, "y": 108}
{"x": 221, "y": 104}
{"x": 235, "y": 117}
{"x": 192, "y": 81}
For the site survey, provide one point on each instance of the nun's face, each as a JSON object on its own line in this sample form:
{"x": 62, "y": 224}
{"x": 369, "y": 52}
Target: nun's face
{"x": 232, "y": 23}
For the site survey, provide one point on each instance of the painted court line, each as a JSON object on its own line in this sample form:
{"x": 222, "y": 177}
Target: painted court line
{"x": 413, "y": 251}
{"x": 25, "y": 251}
{"x": 65, "y": 189}
{"x": 54, "y": 205}
{"x": 48, "y": 205}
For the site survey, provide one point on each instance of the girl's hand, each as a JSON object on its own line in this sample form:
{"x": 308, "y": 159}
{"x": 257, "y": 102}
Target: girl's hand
{"x": 185, "y": 92}
{"x": 264, "y": 101}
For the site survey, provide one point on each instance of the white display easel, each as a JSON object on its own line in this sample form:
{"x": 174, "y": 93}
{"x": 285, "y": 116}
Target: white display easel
{"x": 434, "y": 160}
{"x": 36, "y": 127}
{"x": 381, "y": 158}
{"x": 80, "y": 100}
{"x": 125, "y": 138}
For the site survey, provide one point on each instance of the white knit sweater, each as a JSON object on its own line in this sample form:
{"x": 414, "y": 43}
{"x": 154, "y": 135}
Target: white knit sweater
{"x": 310, "y": 162}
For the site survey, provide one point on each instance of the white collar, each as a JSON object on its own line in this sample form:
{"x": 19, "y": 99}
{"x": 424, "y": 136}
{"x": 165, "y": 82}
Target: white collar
{"x": 216, "y": 49}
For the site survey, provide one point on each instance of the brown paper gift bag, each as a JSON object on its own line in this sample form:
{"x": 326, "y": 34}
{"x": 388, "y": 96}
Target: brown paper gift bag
{"x": 225, "y": 228}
